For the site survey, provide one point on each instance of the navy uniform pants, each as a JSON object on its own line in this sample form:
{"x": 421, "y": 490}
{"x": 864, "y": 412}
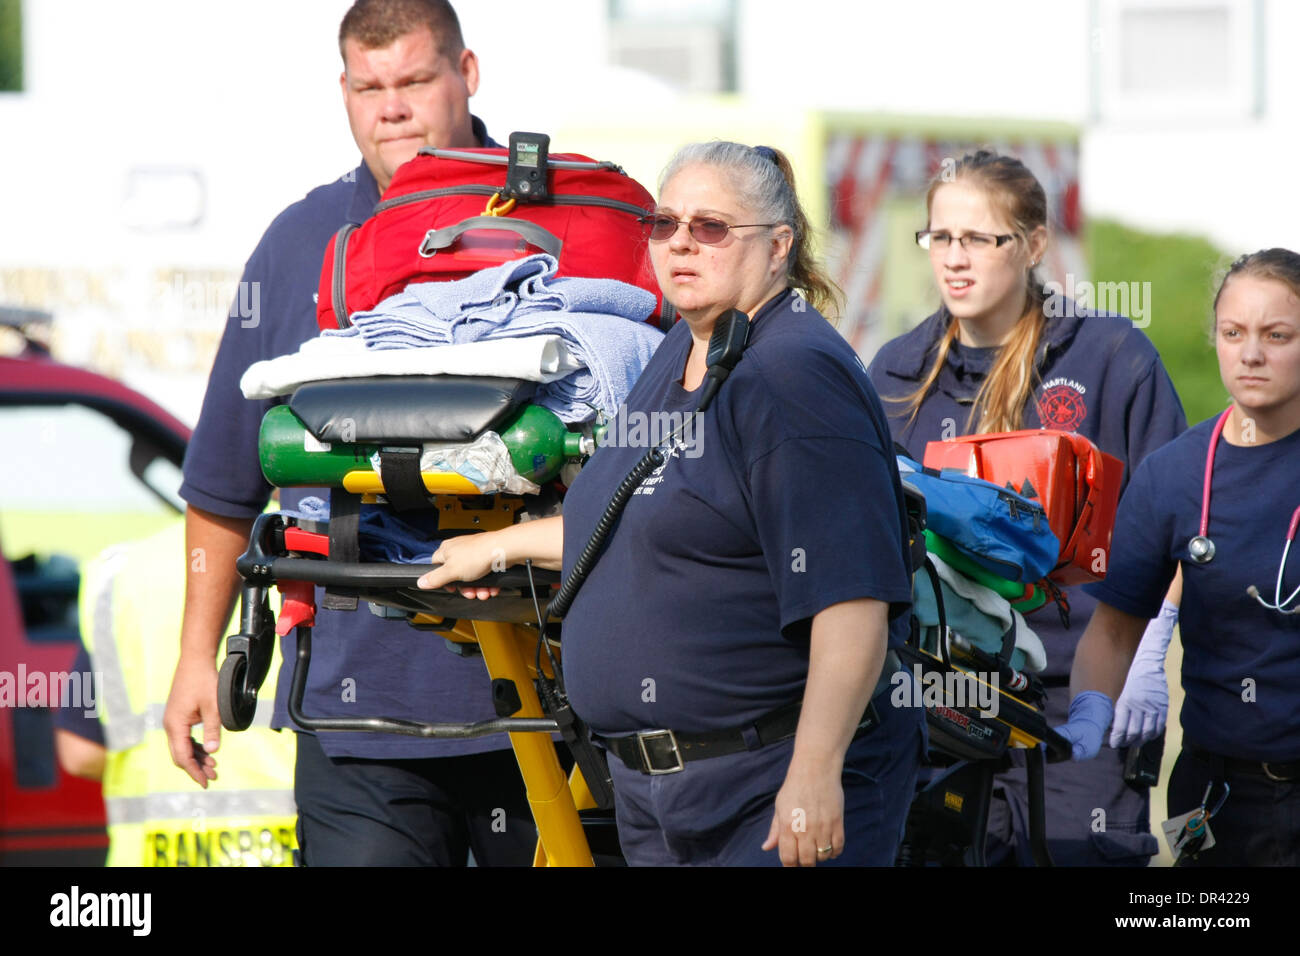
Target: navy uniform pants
{"x": 1259, "y": 823}
{"x": 718, "y": 811}
{"x": 1094, "y": 818}
{"x": 424, "y": 812}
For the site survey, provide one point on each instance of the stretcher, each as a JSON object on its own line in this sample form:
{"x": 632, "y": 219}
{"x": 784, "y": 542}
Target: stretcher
{"x": 518, "y": 642}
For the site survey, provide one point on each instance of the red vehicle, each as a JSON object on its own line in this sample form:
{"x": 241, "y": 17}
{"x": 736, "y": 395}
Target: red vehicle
{"x": 87, "y": 462}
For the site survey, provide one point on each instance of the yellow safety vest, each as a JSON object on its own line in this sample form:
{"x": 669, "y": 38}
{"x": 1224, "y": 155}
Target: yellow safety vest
{"x": 132, "y": 598}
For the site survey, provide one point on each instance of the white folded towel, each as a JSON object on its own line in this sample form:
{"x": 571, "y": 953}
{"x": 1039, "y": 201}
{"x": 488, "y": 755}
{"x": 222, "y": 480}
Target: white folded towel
{"x": 535, "y": 358}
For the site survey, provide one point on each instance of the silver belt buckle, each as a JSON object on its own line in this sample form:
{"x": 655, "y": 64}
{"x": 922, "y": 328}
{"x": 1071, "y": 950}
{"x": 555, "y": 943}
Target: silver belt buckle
{"x": 645, "y": 754}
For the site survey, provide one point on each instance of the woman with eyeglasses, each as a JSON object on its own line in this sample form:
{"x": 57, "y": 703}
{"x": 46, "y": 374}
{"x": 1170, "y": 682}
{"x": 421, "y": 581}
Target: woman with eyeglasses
{"x": 1220, "y": 503}
{"x": 1002, "y": 355}
{"x": 732, "y": 646}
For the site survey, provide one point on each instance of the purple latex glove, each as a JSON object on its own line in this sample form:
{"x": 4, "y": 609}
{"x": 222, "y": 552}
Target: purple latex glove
{"x": 1090, "y": 714}
{"x": 1143, "y": 706}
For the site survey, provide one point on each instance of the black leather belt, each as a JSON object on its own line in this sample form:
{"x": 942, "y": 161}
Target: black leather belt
{"x": 1279, "y": 772}
{"x": 666, "y": 751}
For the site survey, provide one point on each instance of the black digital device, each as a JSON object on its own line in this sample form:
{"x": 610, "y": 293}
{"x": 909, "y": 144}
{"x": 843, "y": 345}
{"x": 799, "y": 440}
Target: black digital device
{"x": 526, "y": 172}
{"x": 1142, "y": 764}
{"x": 726, "y": 344}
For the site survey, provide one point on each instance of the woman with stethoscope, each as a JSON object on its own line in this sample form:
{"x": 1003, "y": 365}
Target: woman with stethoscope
{"x": 1220, "y": 502}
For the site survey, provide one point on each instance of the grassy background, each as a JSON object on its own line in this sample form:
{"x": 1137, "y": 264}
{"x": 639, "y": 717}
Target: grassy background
{"x": 77, "y": 535}
{"x": 11, "y": 46}
{"x": 1183, "y": 272}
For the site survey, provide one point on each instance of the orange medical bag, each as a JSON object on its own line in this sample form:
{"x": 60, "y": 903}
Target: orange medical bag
{"x": 1076, "y": 482}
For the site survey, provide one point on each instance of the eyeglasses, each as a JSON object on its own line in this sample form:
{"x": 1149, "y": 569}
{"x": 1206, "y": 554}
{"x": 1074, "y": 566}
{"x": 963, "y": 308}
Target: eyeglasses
{"x": 972, "y": 241}
{"x": 707, "y": 231}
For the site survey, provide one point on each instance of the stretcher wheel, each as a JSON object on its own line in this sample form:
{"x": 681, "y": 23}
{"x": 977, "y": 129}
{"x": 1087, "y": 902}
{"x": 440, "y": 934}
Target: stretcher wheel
{"x": 236, "y": 705}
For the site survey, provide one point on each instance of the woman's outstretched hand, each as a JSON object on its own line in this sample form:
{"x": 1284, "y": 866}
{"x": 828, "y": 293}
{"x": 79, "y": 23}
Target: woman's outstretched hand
{"x": 473, "y": 556}
{"x": 466, "y": 558}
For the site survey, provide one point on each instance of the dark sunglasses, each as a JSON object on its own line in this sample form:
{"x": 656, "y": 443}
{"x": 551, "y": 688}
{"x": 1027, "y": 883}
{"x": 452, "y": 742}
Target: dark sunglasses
{"x": 707, "y": 231}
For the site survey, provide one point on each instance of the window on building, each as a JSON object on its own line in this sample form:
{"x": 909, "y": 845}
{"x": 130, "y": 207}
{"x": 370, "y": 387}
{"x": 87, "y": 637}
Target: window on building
{"x": 689, "y": 44}
{"x": 1177, "y": 59}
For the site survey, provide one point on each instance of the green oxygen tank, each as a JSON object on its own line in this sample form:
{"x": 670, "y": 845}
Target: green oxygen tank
{"x": 536, "y": 439}
{"x": 292, "y": 457}
{"x": 539, "y": 444}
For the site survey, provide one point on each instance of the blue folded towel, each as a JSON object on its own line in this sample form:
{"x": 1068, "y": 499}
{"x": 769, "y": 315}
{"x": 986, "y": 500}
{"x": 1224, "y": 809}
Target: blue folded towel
{"x": 602, "y": 320}
{"x": 575, "y": 294}
{"x": 613, "y": 350}
{"x": 486, "y": 292}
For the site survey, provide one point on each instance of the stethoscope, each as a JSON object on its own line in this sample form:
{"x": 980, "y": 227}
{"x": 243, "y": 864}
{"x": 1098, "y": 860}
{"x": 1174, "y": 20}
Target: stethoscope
{"x": 1201, "y": 548}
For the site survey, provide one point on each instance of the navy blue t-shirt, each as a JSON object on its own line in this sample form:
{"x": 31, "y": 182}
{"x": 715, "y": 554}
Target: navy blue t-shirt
{"x": 1241, "y": 661}
{"x": 361, "y": 665}
{"x": 784, "y": 501}
{"x": 1097, "y": 375}
{"x": 74, "y": 718}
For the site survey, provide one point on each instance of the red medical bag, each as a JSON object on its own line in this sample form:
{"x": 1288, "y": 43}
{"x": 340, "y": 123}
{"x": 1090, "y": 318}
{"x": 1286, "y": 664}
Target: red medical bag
{"x": 1077, "y": 483}
{"x": 446, "y": 214}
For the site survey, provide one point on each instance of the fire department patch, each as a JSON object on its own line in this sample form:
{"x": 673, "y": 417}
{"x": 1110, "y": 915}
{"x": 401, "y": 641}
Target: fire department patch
{"x": 1061, "y": 405}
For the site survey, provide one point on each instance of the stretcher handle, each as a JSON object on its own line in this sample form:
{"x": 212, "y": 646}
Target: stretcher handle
{"x": 544, "y": 239}
{"x": 371, "y": 575}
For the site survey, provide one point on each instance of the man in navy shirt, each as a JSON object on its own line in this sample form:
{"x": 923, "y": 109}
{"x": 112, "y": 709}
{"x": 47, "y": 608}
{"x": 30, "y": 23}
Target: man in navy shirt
{"x": 362, "y": 798}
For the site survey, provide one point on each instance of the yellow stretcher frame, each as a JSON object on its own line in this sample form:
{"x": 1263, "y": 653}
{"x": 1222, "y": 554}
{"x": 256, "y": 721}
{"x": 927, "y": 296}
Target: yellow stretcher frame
{"x": 506, "y": 648}
{"x": 553, "y": 799}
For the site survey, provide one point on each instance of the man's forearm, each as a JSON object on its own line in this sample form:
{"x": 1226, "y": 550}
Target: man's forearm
{"x": 212, "y": 543}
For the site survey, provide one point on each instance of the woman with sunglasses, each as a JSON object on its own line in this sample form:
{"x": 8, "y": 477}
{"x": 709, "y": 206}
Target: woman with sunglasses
{"x": 1220, "y": 503}
{"x": 730, "y": 644}
{"x": 1002, "y": 355}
